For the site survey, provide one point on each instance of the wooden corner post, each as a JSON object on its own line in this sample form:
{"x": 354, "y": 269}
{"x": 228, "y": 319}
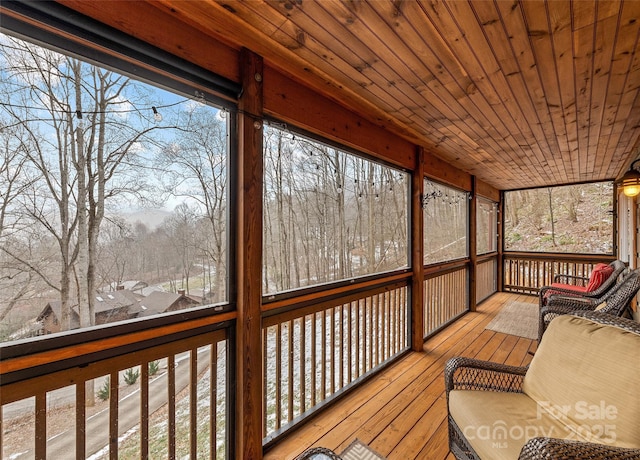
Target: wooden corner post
{"x": 473, "y": 244}
{"x": 248, "y": 259}
{"x": 417, "y": 251}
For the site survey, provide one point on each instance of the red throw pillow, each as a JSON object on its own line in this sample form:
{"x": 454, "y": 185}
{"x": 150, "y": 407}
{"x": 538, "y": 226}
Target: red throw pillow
{"x": 598, "y": 276}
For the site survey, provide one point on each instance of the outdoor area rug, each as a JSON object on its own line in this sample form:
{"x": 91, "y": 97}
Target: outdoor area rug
{"x": 358, "y": 450}
{"x": 517, "y": 318}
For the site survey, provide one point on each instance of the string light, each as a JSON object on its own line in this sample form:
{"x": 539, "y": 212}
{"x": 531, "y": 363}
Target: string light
{"x": 156, "y": 115}
{"x": 456, "y": 198}
{"x": 80, "y": 113}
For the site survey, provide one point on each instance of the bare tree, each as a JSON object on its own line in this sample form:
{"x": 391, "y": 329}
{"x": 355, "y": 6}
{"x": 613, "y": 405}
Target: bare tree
{"x": 195, "y": 169}
{"x": 83, "y": 132}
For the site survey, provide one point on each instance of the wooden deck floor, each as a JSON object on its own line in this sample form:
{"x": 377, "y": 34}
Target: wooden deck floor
{"x": 401, "y": 412}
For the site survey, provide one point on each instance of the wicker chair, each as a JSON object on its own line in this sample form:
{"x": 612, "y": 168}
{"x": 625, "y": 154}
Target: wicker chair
{"x": 494, "y": 381}
{"x": 618, "y": 267}
{"x": 318, "y": 453}
{"x": 614, "y": 302}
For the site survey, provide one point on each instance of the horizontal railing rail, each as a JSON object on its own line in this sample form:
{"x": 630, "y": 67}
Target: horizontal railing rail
{"x": 315, "y": 352}
{"x": 526, "y": 273}
{"x": 155, "y": 393}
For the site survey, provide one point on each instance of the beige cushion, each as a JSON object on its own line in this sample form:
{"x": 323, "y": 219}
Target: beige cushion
{"x": 588, "y": 375}
{"x": 497, "y": 425}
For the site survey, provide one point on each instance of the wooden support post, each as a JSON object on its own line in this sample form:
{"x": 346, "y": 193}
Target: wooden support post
{"x": 500, "y": 269}
{"x": 417, "y": 251}
{"x": 248, "y": 260}
{"x": 473, "y": 244}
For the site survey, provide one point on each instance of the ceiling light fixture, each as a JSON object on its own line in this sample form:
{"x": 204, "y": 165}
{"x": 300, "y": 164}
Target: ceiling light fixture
{"x": 630, "y": 182}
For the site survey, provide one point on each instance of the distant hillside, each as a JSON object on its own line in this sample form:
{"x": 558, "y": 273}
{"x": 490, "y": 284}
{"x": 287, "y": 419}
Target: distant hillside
{"x": 152, "y": 218}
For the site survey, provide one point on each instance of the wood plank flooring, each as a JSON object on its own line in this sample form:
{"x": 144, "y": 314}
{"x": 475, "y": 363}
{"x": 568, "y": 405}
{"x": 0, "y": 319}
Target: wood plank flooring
{"x": 401, "y": 412}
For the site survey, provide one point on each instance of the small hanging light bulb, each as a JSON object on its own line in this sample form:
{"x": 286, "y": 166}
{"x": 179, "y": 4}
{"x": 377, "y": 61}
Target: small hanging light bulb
{"x": 156, "y": 115}
{"x": 80, "y": 120}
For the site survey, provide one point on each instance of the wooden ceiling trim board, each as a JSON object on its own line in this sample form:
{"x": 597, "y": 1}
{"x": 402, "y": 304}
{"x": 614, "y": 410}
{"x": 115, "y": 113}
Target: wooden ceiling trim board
{"x": 498, "y": 46}
{"x": 294, "y": 103}
{"x": 349, "y": 29}
{"x": 561, "y": 18}
{"x": 627, "y": 122}
{"x": 631, "y": 128}
{"x": 583, "y": 13}
{"x": 547, "y": 102}
{"x": 384, "y": 53}
{"x": 583, "y": 62}
{"x": 527, "y": 84}
{"x": 495, "y": 35}
{"x": 618, "y": 102}
{"x": 209, "y": 15}
{"x": 487, "y": 191}
{"x": 602, "y": 74}
{"x": 616, "y": 111}
{"x": 511, "y": 79}
{"x": 160, "y": 30}
{"x": 306, "y": 44}
{"x": 493, "y": 30}
{"x": 480, "y": 97}
{"x": 443, "y": 172}
{"x": 456, "y": 39}
{"x": 354, "y": 66}
{"x": 608, "y": 8}
{"x": 485, "y": 82}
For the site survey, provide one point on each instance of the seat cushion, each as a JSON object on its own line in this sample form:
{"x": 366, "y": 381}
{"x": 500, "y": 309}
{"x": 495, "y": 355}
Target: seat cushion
{"x": 570, "y": 287}
{"x": 589, "y": 373}
{"x": 497, "y": 425}
{"x": 599, "y": 274}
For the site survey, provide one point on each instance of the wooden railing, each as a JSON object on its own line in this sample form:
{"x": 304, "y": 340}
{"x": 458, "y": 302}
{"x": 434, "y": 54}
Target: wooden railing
{"x": 445, "y": 296}
{"x": 150, "y": 394}
{"x": 486, "y": 277}
{"x": 526, "y": 273}
{"x": 316, "y": 352}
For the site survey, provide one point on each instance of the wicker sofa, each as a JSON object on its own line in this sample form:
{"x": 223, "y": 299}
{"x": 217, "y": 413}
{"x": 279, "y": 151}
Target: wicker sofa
{"x": 577, "y": 399}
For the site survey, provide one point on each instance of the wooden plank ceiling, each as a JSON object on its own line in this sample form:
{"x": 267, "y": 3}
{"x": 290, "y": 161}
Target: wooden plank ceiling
{"x": 518, "y": 93}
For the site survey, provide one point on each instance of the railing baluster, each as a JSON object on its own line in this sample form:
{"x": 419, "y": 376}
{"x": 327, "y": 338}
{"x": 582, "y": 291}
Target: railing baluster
{"x": 314, "y": 359}
{"x": 323, "y": 372}
{"x": 113, "y": 415}
{"x": 193, "y": 403}
{"x": 350, "y": 347}
{"x": 387, "y": 309}
{"x": 265, "y": 379}
{"x": 303, "y": 365}
{"x": 358, "y": 337}
{"x": 340, "y": 332}
{"x": 171, "y": 406}
{"x": 41, "y": 425}
{"x": 278, "y": 376}
{"x": 332, "y": 349}
{"x": 144, "y": 410}
{"x": 290, "y": 365}
{"x": 213, "y": 403}
{"x": 81, "y": 419}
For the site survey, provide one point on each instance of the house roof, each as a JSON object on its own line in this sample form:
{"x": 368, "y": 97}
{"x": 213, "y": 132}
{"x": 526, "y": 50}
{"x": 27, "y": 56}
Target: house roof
{"x": 107, "y": 301}
{"x": 160, "y": 302}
